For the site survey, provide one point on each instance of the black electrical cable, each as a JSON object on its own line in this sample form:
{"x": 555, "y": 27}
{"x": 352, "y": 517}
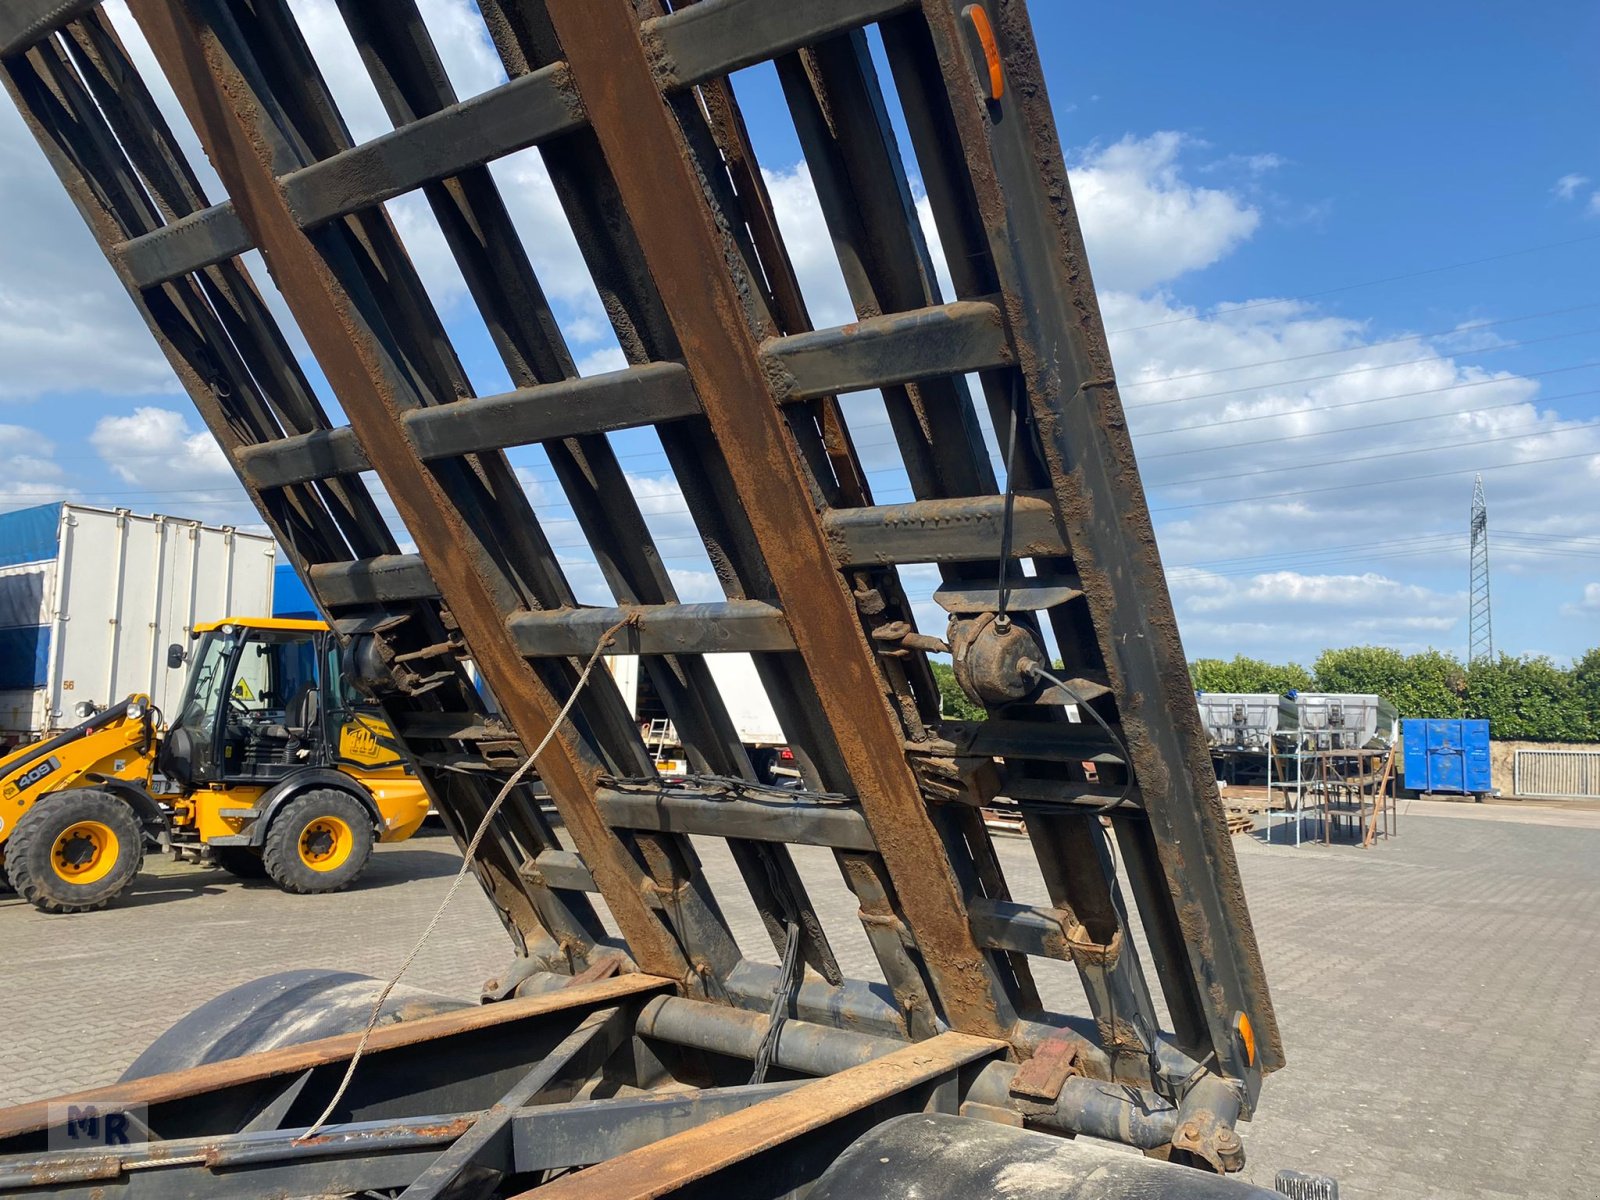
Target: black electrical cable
{"x": 783, "y": 994}
{"x": 716, "y": 787}
{"x": 1003, "y": 587}
{"x": 1039, "y": 672}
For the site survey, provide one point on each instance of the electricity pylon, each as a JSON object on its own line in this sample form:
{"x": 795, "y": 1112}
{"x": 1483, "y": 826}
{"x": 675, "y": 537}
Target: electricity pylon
{"x": 1480, "y": 630}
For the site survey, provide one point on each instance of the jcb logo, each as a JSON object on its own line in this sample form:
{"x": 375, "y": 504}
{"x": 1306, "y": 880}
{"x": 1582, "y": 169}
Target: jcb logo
{"x": 33, "y": 774}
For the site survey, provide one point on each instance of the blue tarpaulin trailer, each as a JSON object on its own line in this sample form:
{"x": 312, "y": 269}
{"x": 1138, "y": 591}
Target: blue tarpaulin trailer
{"x": 1447, "y": 756}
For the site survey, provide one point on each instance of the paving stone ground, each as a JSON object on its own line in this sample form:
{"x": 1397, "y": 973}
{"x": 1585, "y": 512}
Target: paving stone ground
{"x": 1439, "y": 994}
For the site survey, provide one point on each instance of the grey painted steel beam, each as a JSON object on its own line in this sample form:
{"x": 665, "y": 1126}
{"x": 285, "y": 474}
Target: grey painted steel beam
{"x": 715, "y": 37}
{"x": 926, "y": 343}
{"x": 1025, "y": 928}
{"x": 966, "y": 529}
{"x": 753, "y": 816}
{"x": 557, "y": 1136}
{"x": 564, "y": 869}
{"x": 381, "y": 580}
{"x": 26, "y": 22}
{"x": 586, "y": 1047}
{"x": 616, "y": 400}
{"x": 728, "y": 626}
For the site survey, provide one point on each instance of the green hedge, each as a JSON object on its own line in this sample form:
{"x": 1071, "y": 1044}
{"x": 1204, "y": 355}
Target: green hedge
{"x": 1524, "y": 699}
{"x": 1527, "y": 699}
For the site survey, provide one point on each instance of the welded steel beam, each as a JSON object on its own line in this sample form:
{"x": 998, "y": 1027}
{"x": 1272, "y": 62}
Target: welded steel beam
{"x": 703, "y": 1153}
{"x": 695, "y": 44}
{"x": 1034, "y": 245}
{"x": 365, "y": 581}
{"x": 963, "y": 529}
{"x": 362, "y": 361}
{"x": 765, "y": 816}
{"x": 212, "y": 1078}
{"x": 26, "y": 22}
{"x": 595, "y": 404}
{"x": 927, "y": 343}
{"x": 729, "y": 626}
{"x": 480, "y": 1152}
{"x": 657, "y": 179}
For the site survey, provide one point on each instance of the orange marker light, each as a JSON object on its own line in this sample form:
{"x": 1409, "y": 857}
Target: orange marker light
{"x": 991, "y": 51}
{"x": 1247, "y": 1037}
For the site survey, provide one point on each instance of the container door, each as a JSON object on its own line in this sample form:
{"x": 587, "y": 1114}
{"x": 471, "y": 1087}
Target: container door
{"x": 1446, "y": 759}
{"x": 1475, "y": 742}
{"x": 1414, "y": 752}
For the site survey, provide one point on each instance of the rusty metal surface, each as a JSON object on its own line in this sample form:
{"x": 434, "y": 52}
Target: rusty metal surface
{"x": 680, "y": 240}
{"x": 373, "y": 393}
{"x": 697, "y": 1154}
{"x": 631, "y": 108}
{"x": 288, "y": 1060}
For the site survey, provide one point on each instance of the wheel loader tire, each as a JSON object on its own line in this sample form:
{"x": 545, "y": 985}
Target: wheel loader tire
{"x": 75, "y": 851}
{"x": 319, "y": 842}
{"x": 241, "y": 862}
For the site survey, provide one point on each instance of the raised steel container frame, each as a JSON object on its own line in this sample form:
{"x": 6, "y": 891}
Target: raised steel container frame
{"x": 638, "y": 125}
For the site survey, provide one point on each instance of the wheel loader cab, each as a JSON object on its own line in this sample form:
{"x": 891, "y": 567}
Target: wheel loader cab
{"x": 263, "y": 701}
{"x": 250, "y": 712}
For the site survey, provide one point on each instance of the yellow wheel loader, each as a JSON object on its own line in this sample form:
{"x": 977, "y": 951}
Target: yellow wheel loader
{"x": 271, "y": 767}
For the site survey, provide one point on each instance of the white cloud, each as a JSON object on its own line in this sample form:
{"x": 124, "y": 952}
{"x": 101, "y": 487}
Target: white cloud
{"x": 1588, "y": 606}
{"x": 171, "y": 466}
{"x": 29, "y": 473}
{"x": 1144, "y": 225}
{"x": 1568, "y": 186}
{"x": 58, "y": 297}
{"x": 1290, "y": 614}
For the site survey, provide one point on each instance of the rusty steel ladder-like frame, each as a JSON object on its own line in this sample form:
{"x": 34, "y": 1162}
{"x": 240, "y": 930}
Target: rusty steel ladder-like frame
{"x": 632, "y": 110}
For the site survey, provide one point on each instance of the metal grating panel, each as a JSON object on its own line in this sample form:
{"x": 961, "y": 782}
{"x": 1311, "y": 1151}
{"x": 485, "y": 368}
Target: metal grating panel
{"x": 1556, "y": 774}
{"x": 641, "y": 133}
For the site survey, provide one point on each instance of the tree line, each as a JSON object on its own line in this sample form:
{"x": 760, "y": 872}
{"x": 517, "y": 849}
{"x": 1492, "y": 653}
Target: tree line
{"x": 1528, "y": 698}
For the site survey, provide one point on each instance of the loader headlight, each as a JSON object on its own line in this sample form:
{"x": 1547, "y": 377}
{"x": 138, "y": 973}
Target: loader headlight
{"x": 135, "y": 710}
{"x": 84, "y": 709}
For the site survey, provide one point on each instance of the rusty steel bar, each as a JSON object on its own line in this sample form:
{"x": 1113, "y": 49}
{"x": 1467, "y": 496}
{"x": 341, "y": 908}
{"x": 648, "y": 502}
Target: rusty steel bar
{"x": 240, "y": 139}
{"x": 289, "y": 1060}
{"x": 1021, "y": 201}
{"x": 647, "y": 156}
{"x": 23, "y": 23}
{"x": 596, "y": 404}
{"x": 699, "y": 1154}
{"x": 746, "y": 626}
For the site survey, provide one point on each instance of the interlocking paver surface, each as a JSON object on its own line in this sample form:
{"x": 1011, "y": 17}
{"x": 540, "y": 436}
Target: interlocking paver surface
{"x": 1440, "y": 994}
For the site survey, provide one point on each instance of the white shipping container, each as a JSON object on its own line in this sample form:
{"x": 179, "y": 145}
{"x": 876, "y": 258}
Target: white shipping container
{"x": 90, "y": 599}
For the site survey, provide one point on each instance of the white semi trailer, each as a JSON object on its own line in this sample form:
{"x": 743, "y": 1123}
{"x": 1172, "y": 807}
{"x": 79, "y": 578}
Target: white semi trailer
{"x": 747, "y": 703}
{"x": 90, "y": 599}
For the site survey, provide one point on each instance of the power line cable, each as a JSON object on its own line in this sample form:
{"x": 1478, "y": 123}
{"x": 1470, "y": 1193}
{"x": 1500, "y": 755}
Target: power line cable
{"x": 1364, "y": 426}
{"x": 1394, "y": 341}
{"x": 1346, "y": 487}
{"x": 1347, "y": 460}
{"x": 1322, "y": 408}
{"x": 1410, "y": 362}
{"x": 1350, "y": 287}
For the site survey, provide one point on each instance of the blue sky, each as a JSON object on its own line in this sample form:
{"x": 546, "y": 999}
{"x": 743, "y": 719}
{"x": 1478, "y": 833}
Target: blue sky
{"x": 1339, "y": 253}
